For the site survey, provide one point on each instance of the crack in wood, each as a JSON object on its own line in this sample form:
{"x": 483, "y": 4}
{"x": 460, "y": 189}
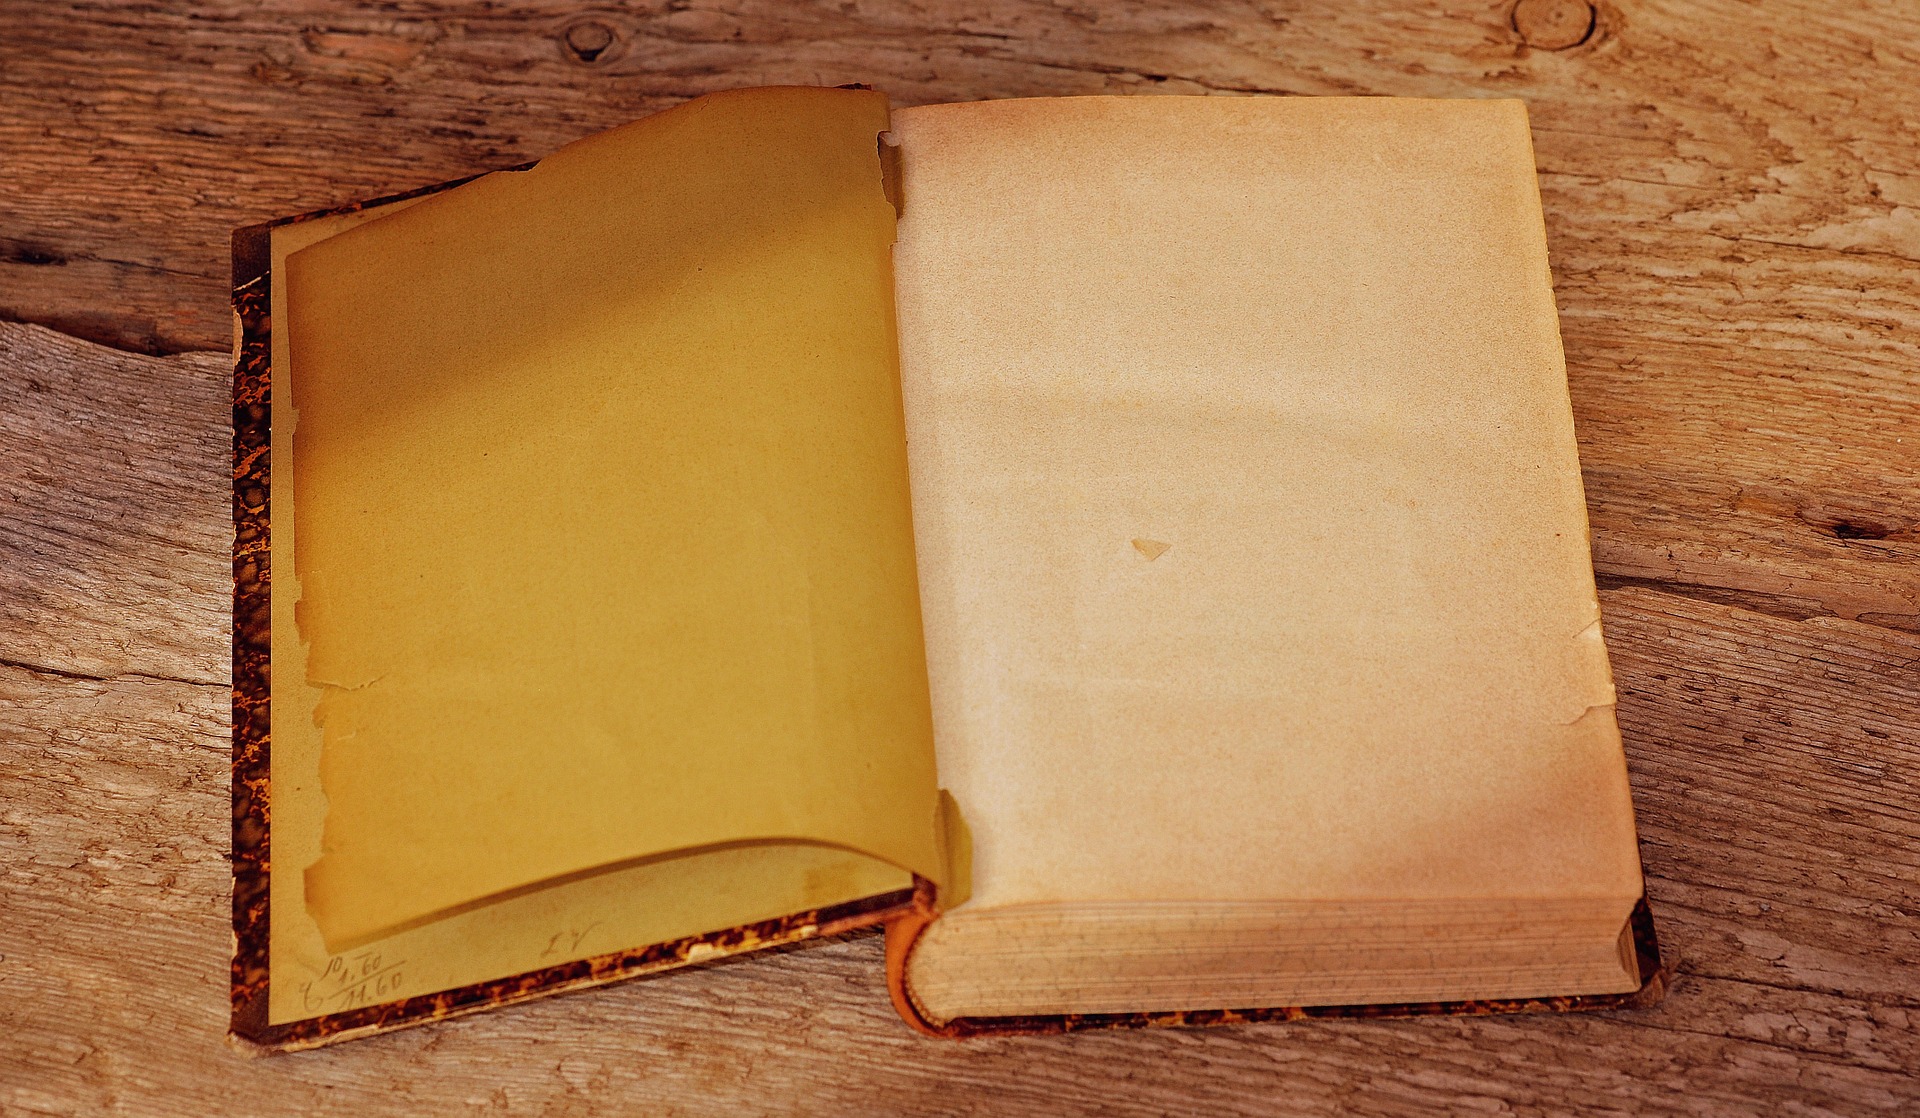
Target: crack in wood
{"x": 1755, "y": 601}
{"x": 117, "y": 677}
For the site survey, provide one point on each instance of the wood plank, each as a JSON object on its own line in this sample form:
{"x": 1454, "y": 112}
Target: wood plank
{"x": 1748, "y": 420}
{"x": 114, "y": 482}
{"x": 1775, "y": 769}
{"x": 1732, "y": 193}
{"x": 112, "y": 924}
{"x": 1783, "y": 125}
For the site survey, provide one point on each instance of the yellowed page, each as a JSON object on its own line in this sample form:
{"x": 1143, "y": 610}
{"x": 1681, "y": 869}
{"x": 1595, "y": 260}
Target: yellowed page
{"x": 1253, "y": 554}
{"x": 617, "y": 910}
{"x": 604, "y": 538}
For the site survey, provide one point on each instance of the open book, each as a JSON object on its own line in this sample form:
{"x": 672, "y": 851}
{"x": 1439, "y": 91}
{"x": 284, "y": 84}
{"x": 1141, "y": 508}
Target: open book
{"x": 1133, "y": 547}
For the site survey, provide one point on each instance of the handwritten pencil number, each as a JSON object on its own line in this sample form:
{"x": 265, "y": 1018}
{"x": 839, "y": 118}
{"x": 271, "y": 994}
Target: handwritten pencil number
{"x": 352, "y": 981}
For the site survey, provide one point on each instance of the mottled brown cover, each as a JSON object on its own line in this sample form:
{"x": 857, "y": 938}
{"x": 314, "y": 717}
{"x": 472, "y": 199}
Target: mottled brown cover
{"x": 903, "y": 931}
{"x": 252, "y": 863}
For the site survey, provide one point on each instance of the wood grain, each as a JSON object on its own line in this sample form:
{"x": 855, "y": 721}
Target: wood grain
{"x": 114, "y": 490}
{"x": 1733, "y": 194}
{"x": 1733, "y": 204}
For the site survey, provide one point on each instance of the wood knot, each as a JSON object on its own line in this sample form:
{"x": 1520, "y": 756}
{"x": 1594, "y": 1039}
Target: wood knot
{"x": 20, "y": 252}
{"x": 1842, "y": 525}
{"x": 590, "y": 40}
{"x": 1554, "y": 24}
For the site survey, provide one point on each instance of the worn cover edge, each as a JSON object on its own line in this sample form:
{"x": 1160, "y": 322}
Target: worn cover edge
{"x": 248, "y": 1029}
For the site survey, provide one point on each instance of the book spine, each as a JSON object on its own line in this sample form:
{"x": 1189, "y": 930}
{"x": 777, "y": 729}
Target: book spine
{"x": 903, "y": 932}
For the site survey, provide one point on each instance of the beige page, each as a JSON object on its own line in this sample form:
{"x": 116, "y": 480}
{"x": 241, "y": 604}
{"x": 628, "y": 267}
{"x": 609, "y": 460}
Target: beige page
{"x": 604, "y": 545}
{"x": 1253, "y": 555}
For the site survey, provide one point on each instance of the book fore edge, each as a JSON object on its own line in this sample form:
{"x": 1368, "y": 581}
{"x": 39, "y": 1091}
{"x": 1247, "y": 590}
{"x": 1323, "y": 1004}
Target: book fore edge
{"x": 902, "y": 934}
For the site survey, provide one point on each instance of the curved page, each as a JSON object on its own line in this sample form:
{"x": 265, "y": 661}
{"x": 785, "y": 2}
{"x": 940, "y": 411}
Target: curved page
{"x": 605, "y": 549}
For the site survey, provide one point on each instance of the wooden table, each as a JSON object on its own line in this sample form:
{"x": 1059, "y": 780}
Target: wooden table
{"x": 1733, "y": 203}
